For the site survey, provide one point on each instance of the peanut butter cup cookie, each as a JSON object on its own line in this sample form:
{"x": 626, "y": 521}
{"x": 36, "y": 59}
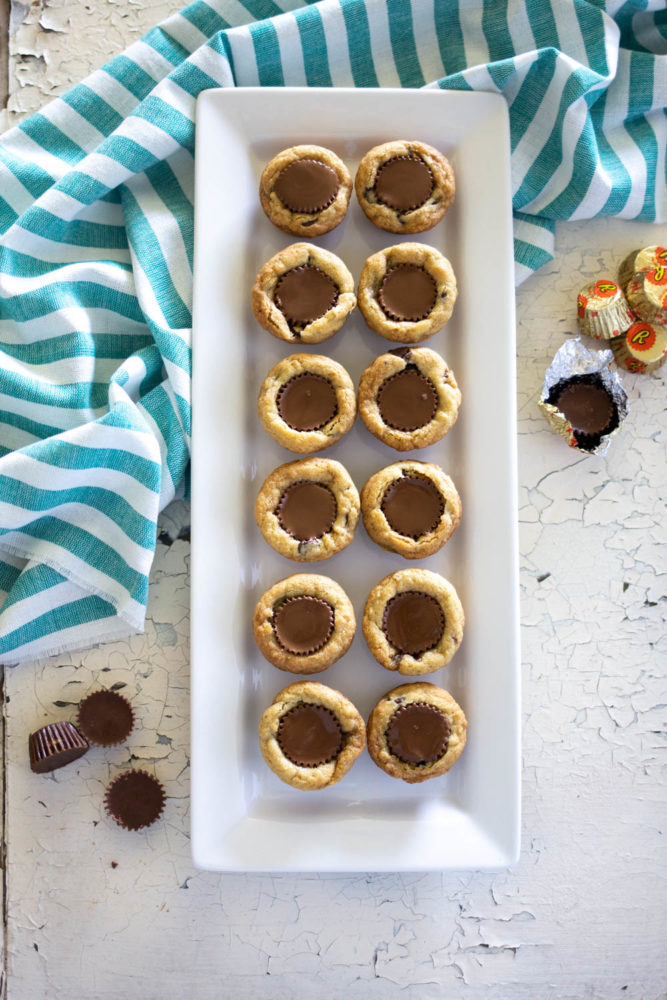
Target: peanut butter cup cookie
{"x": 311, "y": 735}
{"x": 305, "y": 190}
{"x": 409, "y": 398}
{"x": 304, "y": 623}
{"x": 413, "y": 621}
{"x": 307, "y": 402}
{"x": 407, "y": 292}
{"x": 303, "y": 294}
{"x": 405, "y": 187}
{"x": 416, "y": 732}
{"x": 309, "y": 509}
{"x": 411, "y": 508}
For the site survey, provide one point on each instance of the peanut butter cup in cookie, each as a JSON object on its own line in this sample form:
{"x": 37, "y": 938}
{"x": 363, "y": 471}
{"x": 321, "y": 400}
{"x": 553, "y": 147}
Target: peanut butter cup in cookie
{"x": 308, "y": 510}
{"x": 412, "y": 508}
{"x": 304, "y": 623}
{"x": 305, "y": 190}
{"x": 307, "y": 402}
{"x": 303, "y": 294}
{"x": 413, "y": 621}
{"x": 409, "y": 398}
{"x": 405, "y": 187}
{"x": 416, "y": 731}
{"x": 311, "y": 735}
{"x": 407, "y": 292}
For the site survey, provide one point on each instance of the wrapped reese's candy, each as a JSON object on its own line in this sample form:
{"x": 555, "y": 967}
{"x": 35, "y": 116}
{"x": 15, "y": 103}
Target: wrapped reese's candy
{"x": 641, "y": 260}
{"x": 646, "y": 292}
{"x": 602, "y": 310}
{"x": 642, "y": 348}
{"x": 582, "y": 399}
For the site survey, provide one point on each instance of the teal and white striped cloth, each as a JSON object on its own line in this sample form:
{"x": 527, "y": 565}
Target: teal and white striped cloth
{"x": 96, "y": 215}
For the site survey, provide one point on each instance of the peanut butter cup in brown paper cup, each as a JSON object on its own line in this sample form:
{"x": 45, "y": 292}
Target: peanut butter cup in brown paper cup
{"x": 105, "y": 718}
{"x": 134, "y": 799}
{"x": 582, "y": 400}
{"x": 54, "y": 746}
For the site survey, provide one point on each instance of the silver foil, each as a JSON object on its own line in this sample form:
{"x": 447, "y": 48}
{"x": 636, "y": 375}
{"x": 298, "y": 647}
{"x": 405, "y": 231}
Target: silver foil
{"x": 574, "y": 358}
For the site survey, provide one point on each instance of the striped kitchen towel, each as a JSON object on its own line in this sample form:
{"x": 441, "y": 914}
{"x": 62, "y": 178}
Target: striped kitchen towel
{"x": 96, "y": 196}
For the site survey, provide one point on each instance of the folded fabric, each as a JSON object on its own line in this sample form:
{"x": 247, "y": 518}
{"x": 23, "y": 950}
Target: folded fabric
{"x": 96, "y": 194}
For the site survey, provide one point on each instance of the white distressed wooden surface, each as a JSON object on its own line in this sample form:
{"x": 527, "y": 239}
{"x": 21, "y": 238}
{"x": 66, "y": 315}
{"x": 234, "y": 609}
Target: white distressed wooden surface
{"x": 94, "y": 912}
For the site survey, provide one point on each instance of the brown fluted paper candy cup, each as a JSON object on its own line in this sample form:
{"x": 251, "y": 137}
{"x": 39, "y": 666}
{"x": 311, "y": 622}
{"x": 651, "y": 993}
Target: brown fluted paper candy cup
{"x": 134, "y": 799}
{"x": 105, "y": 718}
{"x": 582, "y": 400}
{"x": 54, "y": 746}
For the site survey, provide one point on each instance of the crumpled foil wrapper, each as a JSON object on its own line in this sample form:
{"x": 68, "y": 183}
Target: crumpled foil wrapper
{"x": 574, "y": 359}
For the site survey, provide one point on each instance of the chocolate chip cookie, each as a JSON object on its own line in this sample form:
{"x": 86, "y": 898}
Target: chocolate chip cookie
{"x": 308, "y": 510}
{"x": 303, "y": 294}
{"x": 407, "y": 292}
{"x": 311, "y": 735}
{"x": 305, "y": 190}
{"x": 405, "y": 187}
{"x": 416, "y": 731}
{"x": 411, "y": 508}
{"x": 409, "y": 398}
{"x": 413, "y": 621}
{"x": 304, "y": 623}
{"x": 307, "y": 402}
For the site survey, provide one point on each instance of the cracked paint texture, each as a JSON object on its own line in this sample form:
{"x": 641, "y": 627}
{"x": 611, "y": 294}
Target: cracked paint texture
{"x": 96, "y": 912}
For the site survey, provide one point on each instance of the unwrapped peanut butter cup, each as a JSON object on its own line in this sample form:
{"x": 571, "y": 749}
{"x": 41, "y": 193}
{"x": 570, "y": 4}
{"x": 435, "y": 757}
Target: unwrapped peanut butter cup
{"x": 307, "y": 185}
{"x": 307, "y": 510}
{"x": 602, "y": 310}
{"x": 404, "y": 183}
{"x": 303, "y": 625}
{"x": 134, "y": 799}
{"x": 105, "y": 718}
{"x": 307, "y": 402}
{"x": 413, "y": 506}
{"x": 407, "y": 400}
{"x": 413, "y": 622}
{"x": 304, "y": 293}
{"x": 418, "y": 733}
{"x": 642, "y": 348}
{"x": 54, "y": 746}
{"x": 310, "y": 735}
{"x": 407, "y": 293}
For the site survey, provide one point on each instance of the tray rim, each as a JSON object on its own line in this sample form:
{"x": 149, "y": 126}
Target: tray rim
{"x": 507, "y": 853}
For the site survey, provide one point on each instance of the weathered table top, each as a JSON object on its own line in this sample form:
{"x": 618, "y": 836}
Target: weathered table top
{"x": 92, "y": 911}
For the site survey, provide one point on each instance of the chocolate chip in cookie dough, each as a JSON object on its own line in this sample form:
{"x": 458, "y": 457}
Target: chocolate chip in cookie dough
{"x": 413, "y": 622}
{"x": 304, "y": 293}
{"x": 407, "y": 400}
{"x": 310, "y": 735}
{"x": 303, "y": 624}
{"x": 413, "y": 506}
{"x": 407, "y": 293}
{"x": 418, "y": 733}
{"x": 307, "y": 186}
{"x": 307, "y": 402}
{"x": 404, "y": 183}
{"x": 307, "y": 510}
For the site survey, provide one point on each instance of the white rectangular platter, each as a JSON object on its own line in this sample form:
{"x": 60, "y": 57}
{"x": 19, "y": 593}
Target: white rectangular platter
{"x": 243, "y": 817}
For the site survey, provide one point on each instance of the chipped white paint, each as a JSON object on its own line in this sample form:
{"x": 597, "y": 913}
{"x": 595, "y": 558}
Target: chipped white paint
{"x": 94, "y": 912}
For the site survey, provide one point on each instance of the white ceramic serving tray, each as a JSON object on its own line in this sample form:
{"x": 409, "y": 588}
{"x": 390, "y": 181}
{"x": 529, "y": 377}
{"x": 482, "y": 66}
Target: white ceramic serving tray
{"x": 243, "y": 816}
